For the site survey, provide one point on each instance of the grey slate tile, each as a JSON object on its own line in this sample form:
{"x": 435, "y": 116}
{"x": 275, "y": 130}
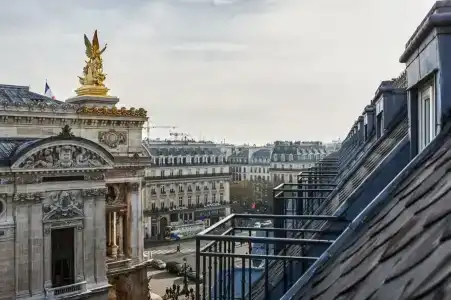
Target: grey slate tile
{"x": 404, "y": 251}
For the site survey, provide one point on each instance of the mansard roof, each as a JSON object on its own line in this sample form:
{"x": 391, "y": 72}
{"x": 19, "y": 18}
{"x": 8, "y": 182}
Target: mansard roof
{"x": 181, "y": 151}
{"x": 21, "y": 95}
{"x": 400, "y": 247}
{"x": 243, "y": 153}
{"x": 262, "y": 153}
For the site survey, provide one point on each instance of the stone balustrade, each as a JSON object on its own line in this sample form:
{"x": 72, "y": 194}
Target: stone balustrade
{"x": 65, "y": 291}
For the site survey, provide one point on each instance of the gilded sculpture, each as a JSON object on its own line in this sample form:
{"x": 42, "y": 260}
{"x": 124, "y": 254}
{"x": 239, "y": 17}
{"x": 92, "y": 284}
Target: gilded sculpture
{"x": 92, "y": 81}
{"x": 113, "y": 111}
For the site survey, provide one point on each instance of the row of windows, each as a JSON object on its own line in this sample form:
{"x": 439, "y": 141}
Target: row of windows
{"x": 290, "y": 157}
{"x": 205, "y": 200}
{"x": 189, "y": 188}
{"x": 239, "y": 177}
{"x": 186, "y": 160}
{"x": 252, "y": 161}
{"x": 291, "y": 167}
{"x": 189, "y": 171}
{"x": 251, "y": 169}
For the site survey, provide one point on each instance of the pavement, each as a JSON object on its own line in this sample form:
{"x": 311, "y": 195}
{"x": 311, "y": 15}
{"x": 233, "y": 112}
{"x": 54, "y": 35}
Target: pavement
{"x": 162, "y": 279}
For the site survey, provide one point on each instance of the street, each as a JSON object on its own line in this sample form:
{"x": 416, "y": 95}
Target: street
{"x": 162, "y": 279}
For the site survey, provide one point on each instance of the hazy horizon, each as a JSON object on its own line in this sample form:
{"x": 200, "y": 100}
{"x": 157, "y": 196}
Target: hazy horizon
{"x": 250, "y": 71}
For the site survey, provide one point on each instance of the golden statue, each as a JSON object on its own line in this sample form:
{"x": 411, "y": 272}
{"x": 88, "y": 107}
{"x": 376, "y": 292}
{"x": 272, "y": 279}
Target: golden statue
{"x": 92, "y": 81}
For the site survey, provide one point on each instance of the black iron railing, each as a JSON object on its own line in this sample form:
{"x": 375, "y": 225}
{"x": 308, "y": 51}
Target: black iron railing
{"x": 248, "y": 262}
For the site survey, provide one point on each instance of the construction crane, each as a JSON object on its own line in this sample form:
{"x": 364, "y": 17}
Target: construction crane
{"x": 148, "y": 127}
{"x": 176, "y": 135}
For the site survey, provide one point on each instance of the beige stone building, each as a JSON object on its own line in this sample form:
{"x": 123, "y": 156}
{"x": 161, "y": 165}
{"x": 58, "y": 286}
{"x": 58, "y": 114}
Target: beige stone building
{"x": 70, "y": 194}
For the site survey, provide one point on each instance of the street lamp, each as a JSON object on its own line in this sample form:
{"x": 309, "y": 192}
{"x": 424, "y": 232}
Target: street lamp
{"x": 185, "y": 279}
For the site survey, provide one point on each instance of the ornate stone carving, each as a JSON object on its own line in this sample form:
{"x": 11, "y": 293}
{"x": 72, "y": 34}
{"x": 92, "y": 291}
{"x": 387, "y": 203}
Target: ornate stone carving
{"x": 65, "y": 156}
{"x": 28, "y": 179}
{"x": 95, "y": 177}
{"x": 66, "y": 132}
{"x": 28, "y": 197}
{"x": 47, "y": 230}
{"x": 113, "y": 138}
{"x": 65, "y": 205}
{"x": 94, "y": 192}
{"x": 135, "y": 186}
{"x": 6, "y": 233}
{"x": 115, "y": 194}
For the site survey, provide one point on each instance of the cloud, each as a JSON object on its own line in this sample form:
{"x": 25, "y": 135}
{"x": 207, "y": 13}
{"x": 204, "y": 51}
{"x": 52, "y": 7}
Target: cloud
{"x": 255, "y": 70}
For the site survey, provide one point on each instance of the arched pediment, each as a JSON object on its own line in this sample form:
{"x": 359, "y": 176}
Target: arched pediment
{"x": 56, "y": 153}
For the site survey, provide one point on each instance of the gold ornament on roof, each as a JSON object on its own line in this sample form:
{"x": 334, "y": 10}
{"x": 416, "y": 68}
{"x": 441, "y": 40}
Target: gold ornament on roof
{"x": 92, "y": 81}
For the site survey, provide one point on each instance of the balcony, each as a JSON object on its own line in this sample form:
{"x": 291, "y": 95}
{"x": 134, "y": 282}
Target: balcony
{"x": 63, "y": 292}
{"x": 191, "y": 207}
{"x": 187, "y": 176}
{"x": 268, "y": 260}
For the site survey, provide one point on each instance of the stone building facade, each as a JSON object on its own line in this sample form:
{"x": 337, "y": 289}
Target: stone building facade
{"x": 70, "y": 198}
{"x": 187, "y": 184}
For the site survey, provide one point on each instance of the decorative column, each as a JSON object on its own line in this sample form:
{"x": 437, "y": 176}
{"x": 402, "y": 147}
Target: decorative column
{"x": 22, "y": 246}
{"x": 113, "y": 236}
{"x": 36, "y": 253}
{"x": 121, "y": 236}
{"x": 100, "y": 239}
{"x": 47, "y": 256}
{"x": 79, "y": 259}
{"x": 89, "y": 234}
{"x": 127, "y": 223}
{"x": 108, "y": 224}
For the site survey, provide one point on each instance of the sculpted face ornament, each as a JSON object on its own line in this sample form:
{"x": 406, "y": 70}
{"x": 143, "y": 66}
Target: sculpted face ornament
{"x": 65, "y": 156}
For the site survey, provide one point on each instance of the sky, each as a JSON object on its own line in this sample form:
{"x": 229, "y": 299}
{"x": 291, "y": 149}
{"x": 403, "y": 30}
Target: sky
{"x": 250, "y": 71}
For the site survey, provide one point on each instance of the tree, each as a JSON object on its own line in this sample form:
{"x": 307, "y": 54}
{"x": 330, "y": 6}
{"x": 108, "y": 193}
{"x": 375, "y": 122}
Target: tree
{"x": 242, "y": 194}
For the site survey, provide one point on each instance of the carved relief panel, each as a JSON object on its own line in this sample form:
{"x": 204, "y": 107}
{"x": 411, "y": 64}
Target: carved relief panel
{"x": 63, "y": 205}
{"x": 63, "y": 156}
{"x": 116, "y": 194}
{"x": 113, "y": 138}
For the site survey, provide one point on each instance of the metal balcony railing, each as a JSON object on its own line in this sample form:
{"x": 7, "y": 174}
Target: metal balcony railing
{"x": 228, "y": 266}
{"x": 265, "y": 262}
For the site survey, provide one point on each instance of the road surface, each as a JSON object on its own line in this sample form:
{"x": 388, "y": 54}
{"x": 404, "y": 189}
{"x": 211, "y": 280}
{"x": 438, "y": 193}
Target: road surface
{"x": 162, "y": 279}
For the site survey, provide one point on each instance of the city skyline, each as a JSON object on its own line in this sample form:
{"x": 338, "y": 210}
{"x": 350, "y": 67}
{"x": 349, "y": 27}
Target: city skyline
{"x": 174, "y": 59}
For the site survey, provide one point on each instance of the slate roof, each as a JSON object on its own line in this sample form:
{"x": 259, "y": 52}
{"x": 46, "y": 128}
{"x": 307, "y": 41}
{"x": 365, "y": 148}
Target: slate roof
{"x": 9, "y": 146}
{"x": 262, "y": 153}
{"x": 21, "y": 95}
{"x": 182, "y": 151}
{"x": 403, "y": 250}
{"x": 244, "y": 153}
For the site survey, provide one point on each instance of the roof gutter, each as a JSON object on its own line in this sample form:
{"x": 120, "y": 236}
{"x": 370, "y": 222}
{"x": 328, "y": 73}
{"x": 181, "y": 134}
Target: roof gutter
{"x": 360, "y": 220}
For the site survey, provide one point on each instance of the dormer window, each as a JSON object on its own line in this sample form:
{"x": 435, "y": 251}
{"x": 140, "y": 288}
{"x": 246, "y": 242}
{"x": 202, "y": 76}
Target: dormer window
{"x": 380, "y": 117}
{"x": 365, "y": 127}
{"x": 426, "y": 114}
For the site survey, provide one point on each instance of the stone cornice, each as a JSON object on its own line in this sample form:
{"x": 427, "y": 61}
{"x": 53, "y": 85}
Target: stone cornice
{"x": 74, "y": 120}
{"x": 94, "y": 192}
{"x": 32, "y": 197}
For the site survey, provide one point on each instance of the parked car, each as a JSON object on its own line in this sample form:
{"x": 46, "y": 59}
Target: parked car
{"x": 174, "y": 267}
{"x": 158, "y": 264}
{"x": 191, "y": 275}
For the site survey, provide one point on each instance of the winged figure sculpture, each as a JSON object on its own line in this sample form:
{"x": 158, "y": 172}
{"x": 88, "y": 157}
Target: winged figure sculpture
{"x": 93, "y": 70}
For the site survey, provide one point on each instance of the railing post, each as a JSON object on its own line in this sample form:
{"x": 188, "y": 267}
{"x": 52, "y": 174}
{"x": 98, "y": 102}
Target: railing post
{"x": 198, "y": 269}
